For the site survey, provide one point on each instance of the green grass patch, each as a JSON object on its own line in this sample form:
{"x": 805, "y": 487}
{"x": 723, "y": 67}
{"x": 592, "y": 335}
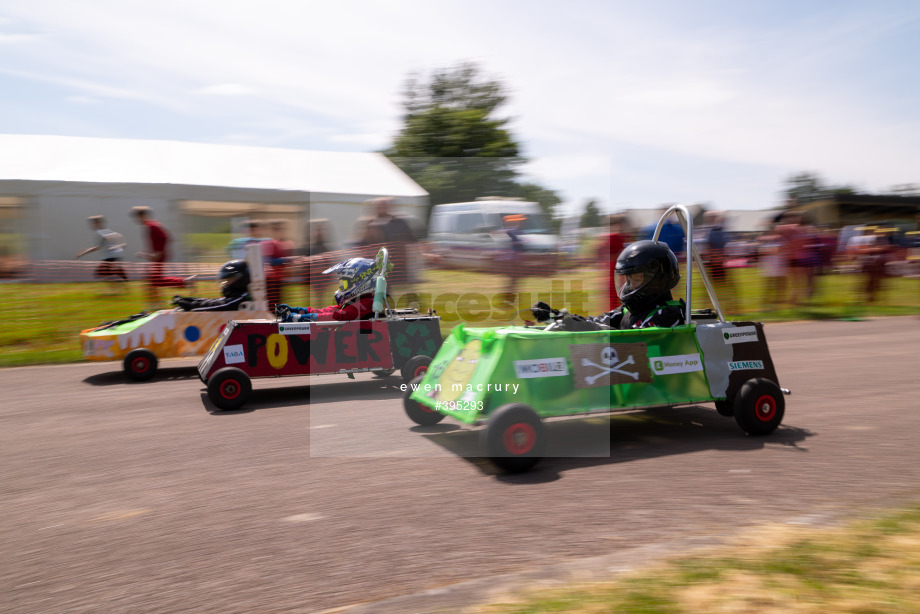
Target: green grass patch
{"x": 42, "y": 322}
{"x": 867, "y": 566}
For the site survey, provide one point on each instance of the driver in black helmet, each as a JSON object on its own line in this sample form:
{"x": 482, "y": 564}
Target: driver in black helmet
{"x": 649, "y": 269}
{"x": 234, "y": 286}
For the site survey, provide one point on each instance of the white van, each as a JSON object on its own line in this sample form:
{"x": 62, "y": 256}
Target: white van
{"x": 470, "y": 235}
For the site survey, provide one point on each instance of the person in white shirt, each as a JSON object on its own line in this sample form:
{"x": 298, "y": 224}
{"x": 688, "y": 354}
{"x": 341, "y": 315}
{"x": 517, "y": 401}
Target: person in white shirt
{"x": 112, "y": 246}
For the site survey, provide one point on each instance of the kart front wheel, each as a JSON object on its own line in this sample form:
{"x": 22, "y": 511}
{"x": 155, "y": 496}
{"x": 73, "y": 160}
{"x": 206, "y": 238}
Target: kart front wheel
{"x": 229, "y": 388}
{"x": 417, "y": 412}
{"x": 759, "y": 407}
{"x": 140, "y": 365}
{"x": 515, "y": 437}
{"x": 414, "y": 367}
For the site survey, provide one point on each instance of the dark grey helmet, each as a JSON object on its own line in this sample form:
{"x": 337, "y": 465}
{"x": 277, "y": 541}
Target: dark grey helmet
{"x": 234, "y": 278}
{"x": 658, "y": 264}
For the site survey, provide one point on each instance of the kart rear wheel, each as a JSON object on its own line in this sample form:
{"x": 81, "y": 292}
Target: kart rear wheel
{"x": 140, "y": 365}
{"x": 414, "y": 367}
{"x": 229, "y": 388}
{"x": 759, "y": 407}
{"x": 515, "y": 437}
{"x": 417, "y": 412}
{"x": 725, "y": 408}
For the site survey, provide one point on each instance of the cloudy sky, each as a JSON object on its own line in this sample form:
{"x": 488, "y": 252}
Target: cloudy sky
{"x": 694, "y": 102}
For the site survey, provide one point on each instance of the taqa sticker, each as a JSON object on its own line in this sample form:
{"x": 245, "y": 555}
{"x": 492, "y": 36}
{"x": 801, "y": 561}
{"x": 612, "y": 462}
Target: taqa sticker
{"x": 234, "y": 354}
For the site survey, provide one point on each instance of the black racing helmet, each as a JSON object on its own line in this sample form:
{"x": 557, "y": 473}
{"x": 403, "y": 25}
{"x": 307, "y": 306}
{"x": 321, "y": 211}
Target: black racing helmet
{"x": 657, "y": 263}
{"x": 234, "y": 278}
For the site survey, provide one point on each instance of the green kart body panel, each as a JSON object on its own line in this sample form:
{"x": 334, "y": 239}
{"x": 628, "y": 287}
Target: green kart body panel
{"x": 566, "y": 373}
{"x": 512, "y": 378}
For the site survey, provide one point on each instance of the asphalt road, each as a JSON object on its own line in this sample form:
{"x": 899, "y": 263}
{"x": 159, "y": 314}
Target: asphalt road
{"x": 138, "y": 497}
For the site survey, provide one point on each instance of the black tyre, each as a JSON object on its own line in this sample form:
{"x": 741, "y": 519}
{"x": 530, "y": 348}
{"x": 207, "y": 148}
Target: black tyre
{"x": 140, "y": 365}
{"x": 415, "y": 366}
{"x": 759, "y": 407}
{"x": 383, "y": 374}
{"x": 725, "y": 408}
{"x": 417, "y": 412}
{"x": 515, "y": 437}
{"x": 229, "y": 388}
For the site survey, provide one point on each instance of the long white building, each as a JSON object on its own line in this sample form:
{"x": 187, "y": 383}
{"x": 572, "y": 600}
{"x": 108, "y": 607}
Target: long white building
{"x": 49, "y": 185}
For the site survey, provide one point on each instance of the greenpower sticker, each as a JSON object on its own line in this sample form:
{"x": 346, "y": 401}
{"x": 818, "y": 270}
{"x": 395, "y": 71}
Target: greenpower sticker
{"x": 294, "y": 328}
{"x": 745, "y": 365}
{"x": 682, "y": 363}
{"x": 739, "y": 334}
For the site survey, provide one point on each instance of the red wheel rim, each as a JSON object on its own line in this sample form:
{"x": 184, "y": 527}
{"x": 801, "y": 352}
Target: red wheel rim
{"x": 230, "y": 389}
{"x": 139, "y": 365}
{"x": 765, "y": 408}
{"x": 422, "y": 370}
{"x": 519, "y": 438}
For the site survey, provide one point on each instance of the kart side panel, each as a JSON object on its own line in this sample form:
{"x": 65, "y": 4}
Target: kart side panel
{"x": 734, "y": 352}
{"x": 167, "y": 333}
{"x": 563, "y": 373}
{"x": 413, "y": 336}
{"x": 274, "y": 349}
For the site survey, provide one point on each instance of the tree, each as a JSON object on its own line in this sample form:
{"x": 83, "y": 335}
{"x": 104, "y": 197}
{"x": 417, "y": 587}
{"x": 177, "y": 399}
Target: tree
{"x": 805, "y": 187}
{"x": 454, "y": 144}
{"x": 591, "y": 218}
{"x": 546, "y": 198}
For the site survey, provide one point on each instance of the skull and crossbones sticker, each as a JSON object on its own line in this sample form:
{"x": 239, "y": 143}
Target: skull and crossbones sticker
{"x": 610, "y": 358}
{"x": 598, "y": 364}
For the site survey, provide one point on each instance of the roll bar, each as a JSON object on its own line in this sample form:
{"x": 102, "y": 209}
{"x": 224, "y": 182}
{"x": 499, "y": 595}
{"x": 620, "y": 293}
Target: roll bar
{"x": 686, "y": 221}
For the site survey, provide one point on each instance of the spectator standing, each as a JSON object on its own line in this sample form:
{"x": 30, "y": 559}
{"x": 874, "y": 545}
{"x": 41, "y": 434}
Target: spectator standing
{"x": 512, "y": 260}
{"x": 672, "y": 233}
{"x": 611, "y": 244}
{"x": 255, "y": 233}
{"x": 711, "y": 241}
{"x": 112, "y": 246}
{"x": 773, "y": 258}
{"x": 795, "y": 242}
{"x": 158, "y": 239}
{"x": 318, "y": 240}
{"x": 875, "y": 252}
{"x": 396, "y": 235}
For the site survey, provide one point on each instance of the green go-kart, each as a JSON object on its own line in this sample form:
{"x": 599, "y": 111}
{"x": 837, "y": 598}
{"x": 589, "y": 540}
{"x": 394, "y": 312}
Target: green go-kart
{"x": 510, "y": 379}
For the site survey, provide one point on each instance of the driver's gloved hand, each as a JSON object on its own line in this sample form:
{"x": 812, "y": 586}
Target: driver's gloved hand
{"x": 283, "y": 312}
{"x": 183, "y": 302}
{"x": 542, "y": 311}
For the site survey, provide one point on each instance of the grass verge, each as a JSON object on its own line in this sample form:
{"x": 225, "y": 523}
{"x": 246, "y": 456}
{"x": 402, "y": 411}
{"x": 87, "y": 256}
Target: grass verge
{"x": 41, "y": 323}
{"x": 866, "y": 567}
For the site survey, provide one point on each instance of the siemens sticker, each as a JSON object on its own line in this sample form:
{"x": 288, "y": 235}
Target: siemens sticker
{"x": 682, "y": 363}
{"x": 743, "y": 365}
{"x": 542, "y": 367}
{"x": 740, "y": 334}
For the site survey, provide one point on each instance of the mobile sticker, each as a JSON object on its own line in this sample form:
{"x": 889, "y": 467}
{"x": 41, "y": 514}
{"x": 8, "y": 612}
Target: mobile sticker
{"x": 541, "y": 367}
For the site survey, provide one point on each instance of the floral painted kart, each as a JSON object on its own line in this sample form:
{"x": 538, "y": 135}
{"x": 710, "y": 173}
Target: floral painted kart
{"x": 510, "y": 379}
{"x": 140, "y": 341}
{"x": 401, "y": 340}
